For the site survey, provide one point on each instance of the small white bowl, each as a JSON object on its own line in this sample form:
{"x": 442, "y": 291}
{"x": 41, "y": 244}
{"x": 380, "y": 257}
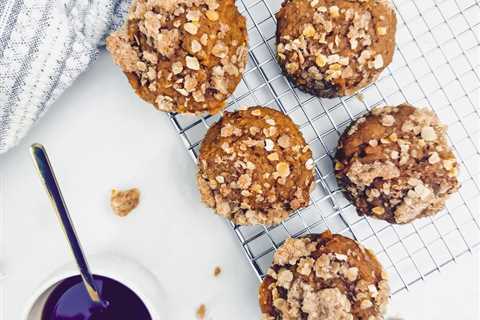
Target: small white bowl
{"x": 129, "y": 273}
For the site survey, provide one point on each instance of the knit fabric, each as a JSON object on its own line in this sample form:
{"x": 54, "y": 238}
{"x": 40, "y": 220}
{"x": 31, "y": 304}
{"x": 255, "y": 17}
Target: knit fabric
{"x": 44, "y": 46}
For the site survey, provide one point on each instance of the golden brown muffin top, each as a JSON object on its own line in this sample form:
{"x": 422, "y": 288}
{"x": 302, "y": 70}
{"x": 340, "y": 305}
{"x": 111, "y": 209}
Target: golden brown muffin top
{"x": 324, "y": 277}
{"x": 255, "y": 167}
{"x": 396, "y": 165}
{"x": 182, "y": 55}
{"x": 335, "y": 47}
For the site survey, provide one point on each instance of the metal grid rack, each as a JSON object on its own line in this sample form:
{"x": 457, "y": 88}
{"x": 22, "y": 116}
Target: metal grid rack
{"x": 436, "y": 65}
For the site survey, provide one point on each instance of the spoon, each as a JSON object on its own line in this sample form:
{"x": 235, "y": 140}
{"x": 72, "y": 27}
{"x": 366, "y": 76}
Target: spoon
{"x": 46, "y": 174}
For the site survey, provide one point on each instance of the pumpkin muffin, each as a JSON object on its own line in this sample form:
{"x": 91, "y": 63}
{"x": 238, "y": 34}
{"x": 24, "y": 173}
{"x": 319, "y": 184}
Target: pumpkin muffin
{"x": 183, "y": 56}
{"x": 395, "y": 164}
{"x": 324, "y": 277}
{"x": 255, "y": 167}
{"x": 333, "y": 48}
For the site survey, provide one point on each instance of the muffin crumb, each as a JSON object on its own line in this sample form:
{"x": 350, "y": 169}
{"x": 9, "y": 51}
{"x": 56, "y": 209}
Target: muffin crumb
{"x": 123, "y": 202}
{"x": 216, "y": 271}
{"x": 201, "y": 312}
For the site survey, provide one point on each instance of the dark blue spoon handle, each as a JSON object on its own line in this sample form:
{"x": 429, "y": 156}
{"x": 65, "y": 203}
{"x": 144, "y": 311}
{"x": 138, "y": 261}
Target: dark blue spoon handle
{"x": 45, "y": 171}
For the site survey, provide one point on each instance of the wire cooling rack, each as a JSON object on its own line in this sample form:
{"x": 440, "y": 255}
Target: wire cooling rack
{"x": 435, "y": 65}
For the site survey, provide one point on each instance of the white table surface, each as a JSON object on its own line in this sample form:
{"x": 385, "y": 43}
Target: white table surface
{"x": 100, "y": 135}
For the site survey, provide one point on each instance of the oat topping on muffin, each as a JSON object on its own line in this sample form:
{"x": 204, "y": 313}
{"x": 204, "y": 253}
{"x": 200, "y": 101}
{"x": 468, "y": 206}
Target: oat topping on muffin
{"x": 334, "y": 48}
{"x": 395, "y": 164}
{"x": 324, "y": 277}
{"x": 182, "y": 55}
{"x": 255, "y": 167}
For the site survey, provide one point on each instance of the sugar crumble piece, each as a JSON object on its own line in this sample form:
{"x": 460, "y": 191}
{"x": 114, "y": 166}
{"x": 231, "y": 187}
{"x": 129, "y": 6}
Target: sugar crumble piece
{"x": 123, "y": 202}
{"x": 217, "y": 271}
{"x": 201, "y": 312}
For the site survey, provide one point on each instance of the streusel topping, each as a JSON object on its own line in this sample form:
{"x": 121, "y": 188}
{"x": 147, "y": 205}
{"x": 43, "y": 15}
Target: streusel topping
{"x": 327, "y": 277}
{"x": 331, "y": 47}
{"x": 182, "y": 55}
{"x": 255, "y": 167}
{"x": 395, "y": 164}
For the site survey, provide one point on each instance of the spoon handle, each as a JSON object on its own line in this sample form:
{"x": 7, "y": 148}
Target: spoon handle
{"x": 45, "y": 171}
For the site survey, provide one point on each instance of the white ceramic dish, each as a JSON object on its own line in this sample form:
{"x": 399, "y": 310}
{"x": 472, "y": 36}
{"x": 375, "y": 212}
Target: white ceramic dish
{"x": 127, "y": 272}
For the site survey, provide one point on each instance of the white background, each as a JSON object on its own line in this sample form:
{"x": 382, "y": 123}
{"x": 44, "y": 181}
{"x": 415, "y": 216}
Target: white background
{"x": 99, "y": 136}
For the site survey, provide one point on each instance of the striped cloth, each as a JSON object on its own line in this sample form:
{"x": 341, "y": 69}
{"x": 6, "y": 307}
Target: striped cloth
{"x": 44, "y": 46}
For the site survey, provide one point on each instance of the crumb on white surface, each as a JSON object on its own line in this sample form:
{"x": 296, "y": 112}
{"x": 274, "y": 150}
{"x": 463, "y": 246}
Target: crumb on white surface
{"x": 123, "y": 202}
{"x": 217, "y": 271}
{"x": 201, "y": 311}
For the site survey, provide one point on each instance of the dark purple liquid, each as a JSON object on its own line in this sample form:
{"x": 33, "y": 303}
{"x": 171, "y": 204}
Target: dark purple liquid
{"x": 70, "y": 301}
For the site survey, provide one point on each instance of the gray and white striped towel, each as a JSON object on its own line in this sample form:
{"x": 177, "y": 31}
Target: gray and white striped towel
{"x": 44, "y": 46}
